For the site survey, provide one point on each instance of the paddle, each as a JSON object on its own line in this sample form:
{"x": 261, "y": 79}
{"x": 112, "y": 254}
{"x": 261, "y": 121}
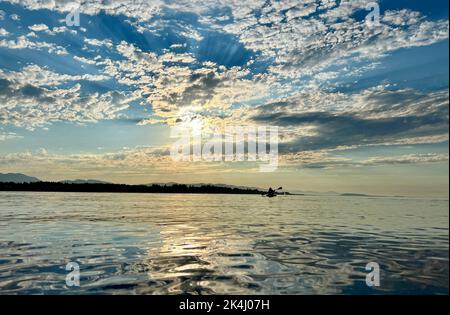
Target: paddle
{"x": 265, "y": 194}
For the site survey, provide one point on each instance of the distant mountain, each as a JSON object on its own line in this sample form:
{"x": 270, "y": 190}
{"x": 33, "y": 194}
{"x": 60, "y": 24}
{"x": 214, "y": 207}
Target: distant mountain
{"x": 359, "y": 195}
{"x": 17, "y": 178}
{"x": 83, "y": 181}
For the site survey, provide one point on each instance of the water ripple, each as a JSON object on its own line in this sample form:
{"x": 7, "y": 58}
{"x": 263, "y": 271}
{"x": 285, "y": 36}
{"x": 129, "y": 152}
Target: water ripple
{"x": 221, "y": 244}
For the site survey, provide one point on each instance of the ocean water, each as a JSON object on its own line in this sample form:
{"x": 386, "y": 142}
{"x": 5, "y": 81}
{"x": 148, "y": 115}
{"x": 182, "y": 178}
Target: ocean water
{"x": 221, "y": 244}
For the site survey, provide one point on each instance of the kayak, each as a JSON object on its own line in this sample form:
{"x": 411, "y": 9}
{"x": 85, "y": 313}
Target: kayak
{"x": 271, "y": 193}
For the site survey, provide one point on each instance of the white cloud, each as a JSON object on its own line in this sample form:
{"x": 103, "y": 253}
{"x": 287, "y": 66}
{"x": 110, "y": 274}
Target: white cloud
{"x": 61, "y": 29}
{"x": 31, "y": 98}
{"x": 84, "y": 60}
{"x": 15, "y": 17}
{"x": 3, "y": 32}
{"x": 38, "y": 27}
{"x": 37, "y": 76}
{"x": 23, "y": 42}
{"x": 300, "y": 46}
{"x": 97, "y": 42}
{"x": 30, "y": 107}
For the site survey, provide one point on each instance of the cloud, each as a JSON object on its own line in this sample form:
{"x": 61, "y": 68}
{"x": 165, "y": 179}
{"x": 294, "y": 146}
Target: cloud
{"x": 302, "y": 39}
{"x": 84, "y": 60}
{"x": 142, "y": 9}
{"x": 171, "y": 81}
{"x": 97, "y": 42}
{"x": 22, "y": 42}
{"x": 8, "y": 136}
{"x": 36, "y": 76}
{"x": 3, "y": 32}
{"x": 294, "y": 50}
{"x": 141, "y": 163}
{"x": 325, "y": 160}
{"x": 407, "y": 159}
{"x": 144, "y": 162}
{"x": 307, "y": 46}
{"x": 15, "y": 17}
{"x": 44, "y": 28}
{"x": 378, "y": 117}
{"x": 31, "y": 106}
{"x": 38, "y": 27}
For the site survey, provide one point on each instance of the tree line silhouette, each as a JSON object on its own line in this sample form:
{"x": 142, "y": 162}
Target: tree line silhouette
{"x": 123, "y": 188}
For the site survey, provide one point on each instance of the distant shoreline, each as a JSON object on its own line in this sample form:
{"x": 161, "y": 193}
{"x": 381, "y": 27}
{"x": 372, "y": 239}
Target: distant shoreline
{"x": 123, "y": 188}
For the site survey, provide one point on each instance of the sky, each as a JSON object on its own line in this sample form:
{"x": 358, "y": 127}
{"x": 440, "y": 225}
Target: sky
{"x": 360, "y": 107}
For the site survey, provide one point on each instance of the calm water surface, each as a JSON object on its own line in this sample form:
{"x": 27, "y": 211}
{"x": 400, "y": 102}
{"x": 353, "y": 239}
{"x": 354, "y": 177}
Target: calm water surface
{"x": 221, "y": 244}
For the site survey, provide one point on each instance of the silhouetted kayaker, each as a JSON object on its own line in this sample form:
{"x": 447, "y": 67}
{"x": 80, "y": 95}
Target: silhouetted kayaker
{"x": 271, "y": 192}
